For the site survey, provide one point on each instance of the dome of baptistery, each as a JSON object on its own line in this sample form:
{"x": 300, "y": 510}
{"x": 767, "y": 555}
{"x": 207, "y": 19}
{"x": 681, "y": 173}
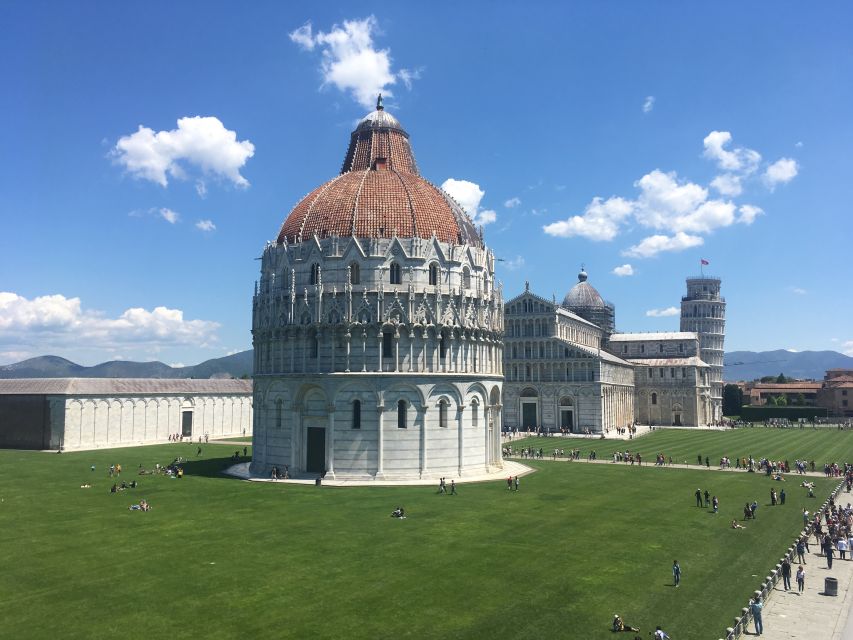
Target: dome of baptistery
{"x": 379, "y": 194}
{"x": 377, "y": 327}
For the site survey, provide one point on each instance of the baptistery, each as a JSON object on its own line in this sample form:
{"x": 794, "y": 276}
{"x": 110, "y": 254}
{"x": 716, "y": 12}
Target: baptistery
{"x": 377, "y": 327}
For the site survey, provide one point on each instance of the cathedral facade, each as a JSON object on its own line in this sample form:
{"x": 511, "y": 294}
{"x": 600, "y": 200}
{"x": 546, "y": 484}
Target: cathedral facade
{"x": 378, "y": 327}
{"x": 568, "y": 369}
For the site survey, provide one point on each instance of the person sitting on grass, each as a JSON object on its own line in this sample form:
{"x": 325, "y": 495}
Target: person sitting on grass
{"x": 114, "y": 488}
{"x": 399, "y": 512}
{"x": 737, "y": 525}
{"x": 142, "y": 506}
{"x": 619, "y": 625}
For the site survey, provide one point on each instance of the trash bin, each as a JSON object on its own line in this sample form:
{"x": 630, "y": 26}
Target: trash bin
{"x": 830, "y": 587}
{"x": 319, "y": 481}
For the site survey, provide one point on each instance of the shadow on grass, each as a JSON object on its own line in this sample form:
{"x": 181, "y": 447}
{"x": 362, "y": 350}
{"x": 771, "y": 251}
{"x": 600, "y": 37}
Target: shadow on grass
{"x": 211, "y": 467}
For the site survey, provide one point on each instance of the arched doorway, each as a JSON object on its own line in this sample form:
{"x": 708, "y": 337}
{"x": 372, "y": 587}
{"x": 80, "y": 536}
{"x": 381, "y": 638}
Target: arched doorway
{"x": 567, "y": 415}
{"x": 676, "y": 415}
{"x": 529, "y": 409}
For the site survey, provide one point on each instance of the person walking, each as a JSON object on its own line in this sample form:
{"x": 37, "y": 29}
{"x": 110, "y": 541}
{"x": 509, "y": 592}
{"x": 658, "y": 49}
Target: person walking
{"x": 756, "y": 608}
{"x": 676, "y": 573}
{"x": 716, "y": 504}
{"x": 707, "y": 498}
{"x": 698, "y": 497}
{"x": 801, "y": 579}
{"x": 516, "y": 483}
{"x": 782, "y": 497}
{"x": 801, "y": 551}
{"x": 773, "y": 497}
{"x": 453, "y": 487}
{"x": 829, "y": 551}
{"x": 786, "y": 573}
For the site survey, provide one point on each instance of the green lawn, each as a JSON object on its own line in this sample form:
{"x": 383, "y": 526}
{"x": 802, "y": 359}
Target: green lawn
{"x": 222, "y": 558}
{"x": 820, "y": 445}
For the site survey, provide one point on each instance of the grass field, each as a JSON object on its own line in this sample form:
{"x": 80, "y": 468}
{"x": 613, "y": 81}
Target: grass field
{"x": 821, "y": 445}
{"x": 222, "y": 558}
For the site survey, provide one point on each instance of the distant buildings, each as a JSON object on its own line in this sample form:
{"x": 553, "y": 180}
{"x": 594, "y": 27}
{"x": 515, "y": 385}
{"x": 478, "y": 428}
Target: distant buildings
{"x": 94, "y": 413}
{"x": 834, "y": 393}
{"x": 567, "y": 369}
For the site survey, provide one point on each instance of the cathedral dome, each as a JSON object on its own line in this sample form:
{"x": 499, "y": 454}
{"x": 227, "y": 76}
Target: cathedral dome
{"x": 379, "y": 194}
{"x": 583, "y": 295}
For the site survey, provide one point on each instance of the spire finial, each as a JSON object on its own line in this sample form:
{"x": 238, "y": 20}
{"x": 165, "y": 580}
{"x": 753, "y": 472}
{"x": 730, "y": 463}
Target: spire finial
{"x": 379, "y": 106}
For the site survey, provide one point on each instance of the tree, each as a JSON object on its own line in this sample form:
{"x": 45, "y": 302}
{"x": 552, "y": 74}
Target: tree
{"x": 801, "y": 399}
{"x": 768, "y": 379}
{"x": 732, "y": 400}
{"x": 782, "y": 400}
{"x": 781, "y": 379}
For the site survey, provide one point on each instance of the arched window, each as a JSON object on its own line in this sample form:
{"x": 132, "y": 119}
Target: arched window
{"x": 475, "y": 414}
{"x": 466, "y": 278}
{"x": 442, "y": 413}
{"x": 354, "y": 273}
{"x": 402, "y": 418}
{"x": 315, "y": 273}
{"x": 356, "y": 414}
{"x": 396, "y": 274}
{"x": 433, "y": 274}
{"x": 654, "y": 398}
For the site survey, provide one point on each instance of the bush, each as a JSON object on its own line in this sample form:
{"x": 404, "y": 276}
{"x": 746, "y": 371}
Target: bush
{"x": 752, "y": 414}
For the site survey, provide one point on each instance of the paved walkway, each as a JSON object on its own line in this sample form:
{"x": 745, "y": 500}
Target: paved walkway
{"x": 510, "y": 468}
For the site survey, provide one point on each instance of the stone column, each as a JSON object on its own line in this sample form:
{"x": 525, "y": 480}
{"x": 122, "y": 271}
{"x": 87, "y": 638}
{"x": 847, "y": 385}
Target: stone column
{"x": 348, "y": 337}
{"x": 380, "y": 437}
{"x": 330, "y": 442}
{"x": 380, "y": 351}
{"x": 422, "y": 411}
{"x": 412, "y": 350}
{"x": 460, "y": 415}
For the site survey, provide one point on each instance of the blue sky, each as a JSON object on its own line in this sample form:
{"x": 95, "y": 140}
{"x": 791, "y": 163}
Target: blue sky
{"x": 150, "y": 149}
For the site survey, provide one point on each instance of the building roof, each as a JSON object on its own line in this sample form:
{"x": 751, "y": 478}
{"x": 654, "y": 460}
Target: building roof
{"x": 583, "y": 295}
{"x": 122, "y": 386}
{"x": 692, "y": 361}
{"x": 660, "y": 336}
{"x": 787, "y": 386}
{"x": 379, "y": 194}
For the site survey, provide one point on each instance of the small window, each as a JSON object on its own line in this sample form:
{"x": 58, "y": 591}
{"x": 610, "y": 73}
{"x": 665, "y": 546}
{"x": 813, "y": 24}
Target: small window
{"x": 402, "y": 418}
{"x": 387, "y": 345}
{"x": 442, "y": 414}
{"x": 844, "y": 392}
{"x": 475, "y": 414}
{"x": 642, "y": 348}
{"x": 624, "y": 348}
{"x": 315, "y": 273}
{"x": 396, "y": 274}
{"x": 661, "y": 372}
{"x": 654, "y": 398}
{"x": 650, "y": 373}
{"x": 354, "y": 273}
{"x": 466, "y": 278}
{"x": 672, "y": 372}
{"x": 433, "y": 274}
{"x": 680, "y": 347}
{"x": 356, "y": 414}
{"x": 442, "y": 349}
{"x": 684, "y": 372}
{"x": 660, "y": 348}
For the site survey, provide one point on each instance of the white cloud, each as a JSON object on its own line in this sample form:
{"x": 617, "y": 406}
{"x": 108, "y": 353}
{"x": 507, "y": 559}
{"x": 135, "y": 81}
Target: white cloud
{"x": 512, "y": 203}
{"x": 201, "y": 188}
{"x": 799, "y": 291}
{"x": 847, "y": 348}
{"x": 56, "y": 321}
{"x": 653, "y": 245}
{"x": 168, "y": 215}
{"x": 469, "y": 195}
{"x": 738, "y": 159}
{"x": 648, "y": 104}
{"x": 350, "y": 60}
{"x": 624, "y": 270}
{"x": 514, "y": 264}
{"x": 601, "y": 220}
{"x": 748, "y": 213}
{"x": 799, "y": 144}
{"x": 662, "y": 313}
{"x": 205, "y": 225}
{"x": 782, "y": 171}
{"x": 199, "y": 142}
{"x": 728, "y": 184}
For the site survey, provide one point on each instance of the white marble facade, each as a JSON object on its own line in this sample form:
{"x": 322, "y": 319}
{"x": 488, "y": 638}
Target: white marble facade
{"x": 377, "y": 358}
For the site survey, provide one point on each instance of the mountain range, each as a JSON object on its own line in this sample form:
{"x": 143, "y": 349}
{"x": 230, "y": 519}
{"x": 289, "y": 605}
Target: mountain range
{"x": 739, "y": 365}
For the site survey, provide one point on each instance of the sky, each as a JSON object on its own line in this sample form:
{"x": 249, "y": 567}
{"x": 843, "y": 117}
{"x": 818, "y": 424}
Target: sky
{"x": 150, "y": 149}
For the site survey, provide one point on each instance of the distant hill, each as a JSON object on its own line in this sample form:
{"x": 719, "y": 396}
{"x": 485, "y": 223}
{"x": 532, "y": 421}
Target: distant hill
{"x": 236, "y": 365}
{"x": 750, "y": 365}
{"x": 739, "y": 365}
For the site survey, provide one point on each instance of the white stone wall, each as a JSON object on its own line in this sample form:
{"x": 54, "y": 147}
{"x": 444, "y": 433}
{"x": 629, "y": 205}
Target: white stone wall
{"x": 105, "y": 422}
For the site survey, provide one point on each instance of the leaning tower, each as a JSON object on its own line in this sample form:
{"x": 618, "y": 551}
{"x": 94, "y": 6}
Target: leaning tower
{"x": 703, "y": 310}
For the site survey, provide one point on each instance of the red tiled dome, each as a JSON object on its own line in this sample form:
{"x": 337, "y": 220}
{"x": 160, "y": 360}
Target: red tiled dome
{"x": 379, "y": 193}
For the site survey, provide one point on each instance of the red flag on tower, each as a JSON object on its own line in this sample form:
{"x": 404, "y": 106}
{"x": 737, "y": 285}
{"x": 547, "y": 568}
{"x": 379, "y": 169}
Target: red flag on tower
{"x": 704, "y": 262}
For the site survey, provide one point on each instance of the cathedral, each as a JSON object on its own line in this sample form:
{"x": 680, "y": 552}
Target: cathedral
{"x": 567, "y": 369}
{"x": 377, "y": 327}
